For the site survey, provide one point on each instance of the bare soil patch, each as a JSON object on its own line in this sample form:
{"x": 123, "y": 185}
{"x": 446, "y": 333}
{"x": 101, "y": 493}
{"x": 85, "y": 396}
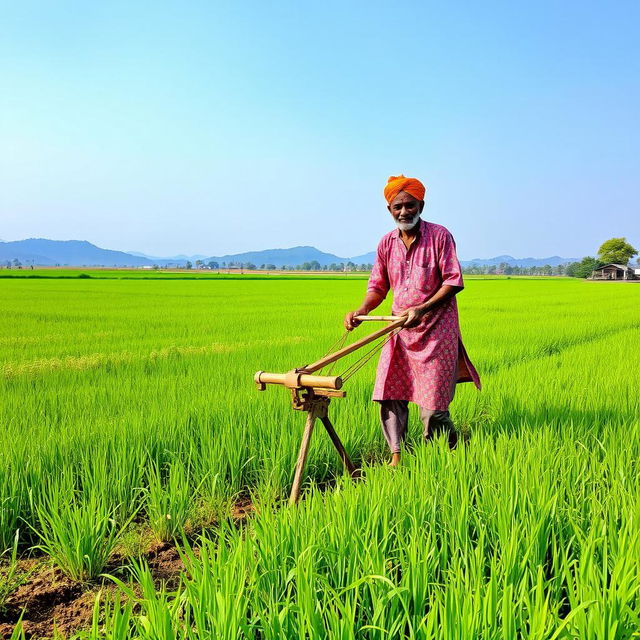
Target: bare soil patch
{"x": 49, "y": 602}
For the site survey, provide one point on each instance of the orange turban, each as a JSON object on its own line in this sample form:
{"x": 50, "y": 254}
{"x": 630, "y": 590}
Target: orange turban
{"x": 396, "y": 184}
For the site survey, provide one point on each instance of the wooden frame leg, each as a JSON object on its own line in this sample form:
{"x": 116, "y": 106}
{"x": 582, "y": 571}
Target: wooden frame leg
{"x": 302, "y": 456}
{"x": 337, "y": 443}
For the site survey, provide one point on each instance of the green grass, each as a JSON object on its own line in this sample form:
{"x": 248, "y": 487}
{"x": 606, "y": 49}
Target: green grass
{"x": 136, "y": 397}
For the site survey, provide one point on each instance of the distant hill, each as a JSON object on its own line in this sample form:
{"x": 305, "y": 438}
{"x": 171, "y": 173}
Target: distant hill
{"x": 76, "y": 253}
{"x": 282, "y": 257}
{"x": 553, "y": 261}
{"x": 79, "y": 253}
{"x": 181, "y": 258}
{"x": 365, "y": 258}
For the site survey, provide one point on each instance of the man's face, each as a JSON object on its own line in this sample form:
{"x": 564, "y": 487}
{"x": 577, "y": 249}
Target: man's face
{"x": 406, "y": 210}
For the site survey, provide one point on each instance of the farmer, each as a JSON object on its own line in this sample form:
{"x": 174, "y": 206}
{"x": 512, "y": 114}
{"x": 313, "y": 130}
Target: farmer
{"x": 424, "y": 361}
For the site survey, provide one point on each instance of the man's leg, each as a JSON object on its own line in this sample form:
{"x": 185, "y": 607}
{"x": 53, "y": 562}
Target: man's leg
{"x": 394, "y": 415}
{"x": 436, "y": 423}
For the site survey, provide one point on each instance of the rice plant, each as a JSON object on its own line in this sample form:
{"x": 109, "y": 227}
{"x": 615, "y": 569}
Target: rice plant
{"x": 169, "y": 500}
{"x": 78, "y": 532}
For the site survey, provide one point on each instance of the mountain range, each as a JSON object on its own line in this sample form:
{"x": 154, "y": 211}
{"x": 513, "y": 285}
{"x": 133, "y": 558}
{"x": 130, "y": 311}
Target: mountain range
{"x": 80, "y": 253}
{"x": 552, "y": 261}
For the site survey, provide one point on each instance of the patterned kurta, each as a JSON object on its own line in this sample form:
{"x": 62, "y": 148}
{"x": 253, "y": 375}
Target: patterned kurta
{"x": 421, "y": 364}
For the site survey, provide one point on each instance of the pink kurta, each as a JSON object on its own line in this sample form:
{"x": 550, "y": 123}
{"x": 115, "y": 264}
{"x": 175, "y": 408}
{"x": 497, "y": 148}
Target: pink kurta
{"x": 422, "y": 364}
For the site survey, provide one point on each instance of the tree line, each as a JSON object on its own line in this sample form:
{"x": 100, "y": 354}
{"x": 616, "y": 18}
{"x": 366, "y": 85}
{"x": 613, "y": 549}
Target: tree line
{"x": 614, "y": 250}
{"x": 314, "y": 265}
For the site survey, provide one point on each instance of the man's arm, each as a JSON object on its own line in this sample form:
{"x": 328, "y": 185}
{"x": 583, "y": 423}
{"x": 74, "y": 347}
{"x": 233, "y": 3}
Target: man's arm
{"x": 372, "y": 300}
{"x": 415, "y": 314}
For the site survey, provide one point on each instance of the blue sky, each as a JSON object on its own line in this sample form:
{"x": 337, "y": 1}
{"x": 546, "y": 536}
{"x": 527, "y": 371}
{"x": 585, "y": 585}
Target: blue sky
{"x": 205, "y": 127}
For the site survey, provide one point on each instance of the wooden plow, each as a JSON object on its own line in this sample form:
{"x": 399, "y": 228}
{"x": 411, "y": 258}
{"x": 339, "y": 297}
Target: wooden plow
{"x": 312, "y": 393}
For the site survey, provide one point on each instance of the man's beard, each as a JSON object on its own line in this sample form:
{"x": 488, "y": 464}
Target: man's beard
{"x": 407, "y": 226}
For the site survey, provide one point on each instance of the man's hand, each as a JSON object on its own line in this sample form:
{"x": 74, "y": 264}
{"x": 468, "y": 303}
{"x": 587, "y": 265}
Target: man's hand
{"x": 350, "y": 322}
{"x": 414, "y": 317}
{"x": 371, "y": 301}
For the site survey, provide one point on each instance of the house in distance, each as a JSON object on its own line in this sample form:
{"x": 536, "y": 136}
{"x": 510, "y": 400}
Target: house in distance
{"x": 613, "y": 271}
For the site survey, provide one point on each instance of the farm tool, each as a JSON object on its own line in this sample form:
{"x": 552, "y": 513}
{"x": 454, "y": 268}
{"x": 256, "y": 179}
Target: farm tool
{"x": 313, "y": 393}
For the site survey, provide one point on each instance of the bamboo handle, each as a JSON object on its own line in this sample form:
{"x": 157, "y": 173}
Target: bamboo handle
{"x": 377, "y": 318}
{"x": 296, "y": 379}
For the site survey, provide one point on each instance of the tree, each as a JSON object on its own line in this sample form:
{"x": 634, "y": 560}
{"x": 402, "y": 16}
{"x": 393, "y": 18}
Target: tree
{"x": 188, "y": 265}
{"x": 213, "y": 264}
{"x": 584, "y": 268}
{"x": 616, "y": 250}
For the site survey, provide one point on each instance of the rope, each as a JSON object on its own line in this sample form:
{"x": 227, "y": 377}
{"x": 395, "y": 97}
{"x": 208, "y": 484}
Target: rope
{"x": 358, "y": 364}
{"x": 336, "y": 346}
{"x": 341, "y": 344}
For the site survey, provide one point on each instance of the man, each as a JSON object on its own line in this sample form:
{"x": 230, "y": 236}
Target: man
{"x": 424, "y": 361}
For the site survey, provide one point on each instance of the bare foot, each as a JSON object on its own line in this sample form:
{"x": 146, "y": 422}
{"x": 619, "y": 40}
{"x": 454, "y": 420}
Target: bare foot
{"x": 395, "y": 460}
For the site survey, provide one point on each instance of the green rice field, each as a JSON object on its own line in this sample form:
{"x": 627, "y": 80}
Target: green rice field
{"x": 129, "y": 413}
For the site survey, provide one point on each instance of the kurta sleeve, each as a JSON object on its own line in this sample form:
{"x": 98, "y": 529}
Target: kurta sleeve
{"x": 448, "y": 262}
{"x": 379, "y": 278}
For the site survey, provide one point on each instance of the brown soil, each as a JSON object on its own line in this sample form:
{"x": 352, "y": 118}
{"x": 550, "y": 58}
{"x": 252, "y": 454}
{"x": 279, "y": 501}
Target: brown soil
{"x": 50, "y": 602}
{"x": 165, "y": 564}
{"x": 242, "y": 509}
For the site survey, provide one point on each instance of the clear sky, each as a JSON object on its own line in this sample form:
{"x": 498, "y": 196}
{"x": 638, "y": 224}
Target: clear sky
{"x": 207, "y": 127}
